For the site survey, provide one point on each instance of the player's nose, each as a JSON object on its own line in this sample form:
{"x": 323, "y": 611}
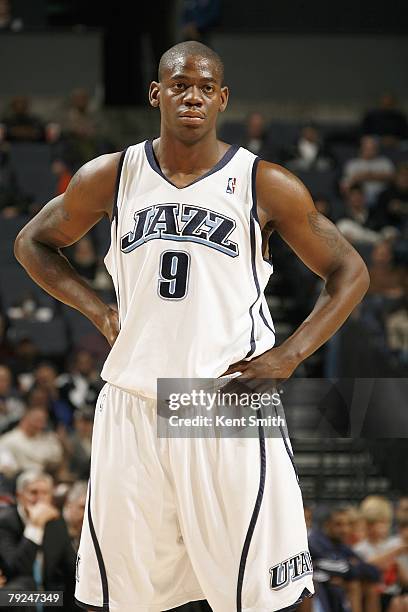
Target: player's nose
{"x": 193, "y": 96}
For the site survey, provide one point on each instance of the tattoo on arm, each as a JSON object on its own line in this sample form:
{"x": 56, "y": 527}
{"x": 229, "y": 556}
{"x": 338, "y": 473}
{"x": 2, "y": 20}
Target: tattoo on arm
{"x": 323, "y": 228}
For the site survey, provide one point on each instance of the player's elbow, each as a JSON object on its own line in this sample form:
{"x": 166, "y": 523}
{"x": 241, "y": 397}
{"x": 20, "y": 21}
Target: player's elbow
{"x": 361, "y": 277}
{"x": 21, "y": 246}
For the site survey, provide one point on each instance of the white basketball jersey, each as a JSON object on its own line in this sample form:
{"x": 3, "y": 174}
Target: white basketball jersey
{"x": 188, "y": 271}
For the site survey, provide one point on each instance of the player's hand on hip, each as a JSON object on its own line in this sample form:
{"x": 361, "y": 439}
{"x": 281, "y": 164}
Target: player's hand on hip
{"x": 276, "y": 364}
{"x": 110, "y": 325}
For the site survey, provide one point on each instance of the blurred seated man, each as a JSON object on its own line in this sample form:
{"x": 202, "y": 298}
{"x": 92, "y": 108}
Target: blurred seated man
{"x": 387, "y": 278}
{"x": 20, "y": 124}
{"x": 308, "y": 153}
{"x": 386, "y": 121}
{"x": 372, "y": 170}
{"x": 77, "y": 444}
{"x": 74, "y": 509}
{"x": 342, "y": 578}
{"x": 11, "y": 405}
{"x": 392, "y": 205}
{"x": 31, "y": 446}
{"x": 256, "y": 136}
{"x": 35, "y": 549}
{"x": 355, "y": 225}
{"x": 12, "y": 200}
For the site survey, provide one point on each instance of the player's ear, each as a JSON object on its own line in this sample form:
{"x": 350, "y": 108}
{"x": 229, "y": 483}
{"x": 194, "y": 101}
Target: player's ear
{"x": 224, "y": 98}
{"x": 154, "y": 94}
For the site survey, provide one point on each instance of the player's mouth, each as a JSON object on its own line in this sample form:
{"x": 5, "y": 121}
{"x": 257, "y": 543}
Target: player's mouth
{"x": 191, "y": 118}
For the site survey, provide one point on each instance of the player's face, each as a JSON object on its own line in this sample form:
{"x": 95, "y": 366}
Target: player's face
{"x": 190, "y": 96}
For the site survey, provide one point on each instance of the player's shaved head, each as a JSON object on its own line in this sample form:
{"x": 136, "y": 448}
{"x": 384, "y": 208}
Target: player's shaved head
{"x": 182, "y": 51}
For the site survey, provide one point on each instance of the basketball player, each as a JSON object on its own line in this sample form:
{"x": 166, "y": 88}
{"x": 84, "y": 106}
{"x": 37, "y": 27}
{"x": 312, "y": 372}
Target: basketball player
{"x": 170, "y": 521}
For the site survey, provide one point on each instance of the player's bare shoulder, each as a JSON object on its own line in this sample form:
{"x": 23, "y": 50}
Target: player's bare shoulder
{"x": 280, "y": 194}
{"x": 95, "y": 182}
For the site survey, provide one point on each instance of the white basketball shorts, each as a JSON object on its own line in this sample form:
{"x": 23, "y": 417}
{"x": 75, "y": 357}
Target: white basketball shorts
{"x": 169, "y": 521}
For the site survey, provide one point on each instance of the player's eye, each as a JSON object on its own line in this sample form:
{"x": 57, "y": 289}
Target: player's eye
{"x": 208, "y": 88}
{"x": 179, "y": 86}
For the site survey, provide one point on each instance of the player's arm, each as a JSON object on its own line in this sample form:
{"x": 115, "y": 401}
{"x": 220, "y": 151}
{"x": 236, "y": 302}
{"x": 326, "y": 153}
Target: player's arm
{"x": 285, "y": 205}
{"x": 62, "y": 222}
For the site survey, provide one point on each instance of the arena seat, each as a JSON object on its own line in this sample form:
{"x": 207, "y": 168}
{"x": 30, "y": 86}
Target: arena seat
{"x": 32, "y": 165}
{"x": 15, "y": 284}
{"x": 232, "y": 132}
{"x": 319, "y": 183}
{"x": 78, "y": 325}
{"x": 50, "y": 337}
{"x": 9, "y": 229}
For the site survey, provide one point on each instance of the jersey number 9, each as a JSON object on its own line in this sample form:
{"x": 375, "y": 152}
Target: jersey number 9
{"x": 174, "y": 272}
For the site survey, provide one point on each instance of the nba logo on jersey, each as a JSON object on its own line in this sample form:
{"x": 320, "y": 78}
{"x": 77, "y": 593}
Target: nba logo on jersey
{"x": 231, "y": 185}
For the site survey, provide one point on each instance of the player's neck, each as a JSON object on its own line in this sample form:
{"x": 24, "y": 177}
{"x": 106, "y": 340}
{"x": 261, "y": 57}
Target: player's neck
{"x": 176, "y": 157}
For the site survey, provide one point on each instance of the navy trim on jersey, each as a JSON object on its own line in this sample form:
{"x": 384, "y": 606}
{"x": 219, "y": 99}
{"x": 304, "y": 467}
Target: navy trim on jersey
{"x": 253, "y": 254}
{"x": 264, "y": 319}
{"x": 115, "y": 217}
{"x": 154, "y": 164}
{"x": 118, "y": 175}
{"x": 304, "y": 595}
{"x": 255, "y": 514}
{"x": 287, "y": 447}
{"x": 102, "y": 570}
{"x": 85, "y": 606}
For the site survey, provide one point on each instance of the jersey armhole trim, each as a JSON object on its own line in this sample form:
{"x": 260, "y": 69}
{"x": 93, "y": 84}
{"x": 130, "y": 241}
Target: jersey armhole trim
{"x": 117, "y": 184}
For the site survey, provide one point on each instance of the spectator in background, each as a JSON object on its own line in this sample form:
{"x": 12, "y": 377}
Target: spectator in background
{"x": 34, "y": 540}
{"x": 78, "y": 443}
{"x": 399, "y": 603}
{"x": 386, "y": 277}
{"x": 12, "y": 201}
{"x": 355, "y": 225}
{"x": 198, "y": 18}
{"x": 308, "y": 153}
{"x": 256, "y": 137}
{"x": 28, "y": 307}
{"x": 20, "y": 124}
{"x": 8, "y": 23}
{"x": 84, "y": 259}
{"x": 357, "y": 526}
{"x": 81, "y": 138}
{"x": 392, "y": 206}
{"x": 401, "y": 511}
{"x": 45, "y": 381}
{"x": 31, "y": 445}
{"x": 342, "y": 577}
{"x": 387, "y": 121}
{"x": 379, "y": 548}
{"x": 11, "y": 405}
{"x": 6, "y": 349}
{"x": 371, "y": 169}
{"x": 308, "y": 512}
{"x": 26, "y": 357}
{"x": 74, "y": 509}
{"x": 22, "y": 528}
{"x": 396, "y": 329}
{"x": 81, "y": 385}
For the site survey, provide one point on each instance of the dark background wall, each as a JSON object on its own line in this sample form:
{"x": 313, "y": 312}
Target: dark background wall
{"x": 281, "y": 68}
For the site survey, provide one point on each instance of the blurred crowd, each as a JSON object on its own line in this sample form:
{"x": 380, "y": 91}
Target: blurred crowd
{"x": 75, "y": 136}
{"x": 360, "y": 556}
{"x": 358, "y": 177}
